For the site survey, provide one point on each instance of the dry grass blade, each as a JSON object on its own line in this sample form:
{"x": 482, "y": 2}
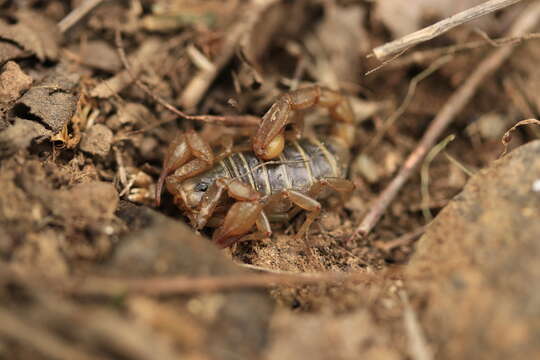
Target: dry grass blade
{"x": 440, "y": 28}
{"x": 508, "y": 135}
{"x": 424, "y": 175}
{"x": 418, "y": 346}
{"x": 77, "y": 14}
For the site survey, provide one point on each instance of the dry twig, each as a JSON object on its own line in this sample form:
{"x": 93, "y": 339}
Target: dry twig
{"x": 418, "y": 346}
{"x": 525, "y": 23}
{"x": 185, "y": 284}
{"x": 403, "y": 240}
{"x": 425, "y": 56}
{"x": 439, "y": 28}
{"x": 77, "y": 14}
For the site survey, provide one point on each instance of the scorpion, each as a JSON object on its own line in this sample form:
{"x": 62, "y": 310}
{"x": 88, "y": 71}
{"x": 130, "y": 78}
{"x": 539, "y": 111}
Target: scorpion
{"x": 280, "y": 175}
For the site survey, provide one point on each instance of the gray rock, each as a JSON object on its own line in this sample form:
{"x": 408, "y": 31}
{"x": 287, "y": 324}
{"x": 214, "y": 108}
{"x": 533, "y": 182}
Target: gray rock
{"x": 157, "y": 245}
{"x": 477, "y": 268}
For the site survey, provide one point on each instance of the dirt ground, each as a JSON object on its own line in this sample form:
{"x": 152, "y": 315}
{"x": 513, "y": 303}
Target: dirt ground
{"x": 91, "y": 268}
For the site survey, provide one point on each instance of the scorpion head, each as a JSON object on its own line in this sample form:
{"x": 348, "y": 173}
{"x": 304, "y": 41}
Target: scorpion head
{"x": 188, "y": 193}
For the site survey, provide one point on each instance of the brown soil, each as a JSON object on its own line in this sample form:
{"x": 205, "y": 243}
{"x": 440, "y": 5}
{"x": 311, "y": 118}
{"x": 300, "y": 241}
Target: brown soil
{"x": 82, "y": 145}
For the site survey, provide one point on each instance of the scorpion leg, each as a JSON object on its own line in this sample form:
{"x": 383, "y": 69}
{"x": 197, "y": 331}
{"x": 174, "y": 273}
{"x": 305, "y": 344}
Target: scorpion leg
{"x": 263, "y": 229}
{"x": 185, "y": 147}
{"x": 238, "y": 222}
{"x": 343, "y": 187}
{"x": 240, "y": 218}
{"x": 307, "y": 203}
{"x": 268, "y": 140}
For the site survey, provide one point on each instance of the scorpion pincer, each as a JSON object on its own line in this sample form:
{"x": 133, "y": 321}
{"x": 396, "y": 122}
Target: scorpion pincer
{"x": 240, "y": 191}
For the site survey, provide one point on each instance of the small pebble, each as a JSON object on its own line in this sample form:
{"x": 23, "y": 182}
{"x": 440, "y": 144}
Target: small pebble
{"x": 97, "y": 140}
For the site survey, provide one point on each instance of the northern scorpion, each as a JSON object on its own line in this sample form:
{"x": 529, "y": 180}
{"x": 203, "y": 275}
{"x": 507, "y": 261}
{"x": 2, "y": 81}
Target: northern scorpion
{"x": 237, "y": 191}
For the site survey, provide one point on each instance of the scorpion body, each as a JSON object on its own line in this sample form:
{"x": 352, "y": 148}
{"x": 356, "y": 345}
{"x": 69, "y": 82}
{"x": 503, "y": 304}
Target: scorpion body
{"x": 269, "y": 183}
{"x": 301, "y": 164}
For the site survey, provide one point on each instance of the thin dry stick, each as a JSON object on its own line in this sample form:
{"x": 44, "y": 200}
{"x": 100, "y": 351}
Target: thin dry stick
{"x": 418, "y": 345}
{"x": 77, "y": 14}
{"x": 249, "y": 17}
{"x": 405, "y": 239}
{"x": 526, "y": 22}
{"x": 424, "y": 56}
{"x": 185, "y": 284}
{"x": 232, "y": 120}
{"x": 440, "y": 27}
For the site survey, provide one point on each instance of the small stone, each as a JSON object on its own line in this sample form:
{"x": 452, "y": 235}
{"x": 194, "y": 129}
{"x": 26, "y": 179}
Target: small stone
{"x": 478, "y": 265}
{"x": 367, "y": 168}
{"x": 97, "y": 140}
{"x": 13, "y": 82}
{"x": 330, "y": 221}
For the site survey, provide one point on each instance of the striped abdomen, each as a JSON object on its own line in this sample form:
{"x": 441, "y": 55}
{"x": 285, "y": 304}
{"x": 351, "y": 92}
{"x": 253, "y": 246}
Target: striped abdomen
{"x": 301, "y": 164}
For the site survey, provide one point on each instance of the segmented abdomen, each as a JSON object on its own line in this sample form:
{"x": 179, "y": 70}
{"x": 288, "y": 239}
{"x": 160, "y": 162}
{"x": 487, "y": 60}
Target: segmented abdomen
{"x": 301, "y": 164}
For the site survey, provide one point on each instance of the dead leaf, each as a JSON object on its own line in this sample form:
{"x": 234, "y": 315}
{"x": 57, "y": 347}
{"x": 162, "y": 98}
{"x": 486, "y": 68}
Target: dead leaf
{"x": 52, "y": 102}
{"x": 98, "y": 55}
{"x": 33, "y": 32}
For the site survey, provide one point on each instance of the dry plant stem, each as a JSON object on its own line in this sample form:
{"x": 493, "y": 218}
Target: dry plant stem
{"x": 248, "y": 18}
{"x": 230, "y": 120}
{"x": 184, "y": 284}
{"x": 460, "y": 166}
{"x": 526, "y": 22}
{"x": 440, "y": 27}
{"x": 425, "y": 56}
{"x": 424, "y": 175}
{"x": 418, "y": 345}
{"x": 403, "y": 240}
{"x": 39, "y": 339}
{"x": 77, "y": 14}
